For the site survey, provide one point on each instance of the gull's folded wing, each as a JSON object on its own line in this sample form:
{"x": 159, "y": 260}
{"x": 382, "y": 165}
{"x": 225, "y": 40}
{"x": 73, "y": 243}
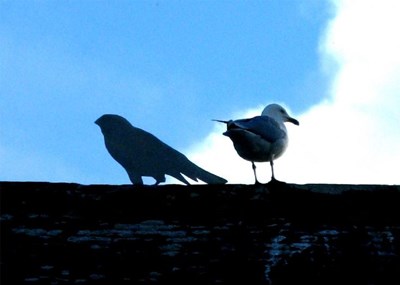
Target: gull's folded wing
{"x": 263, "y": 126}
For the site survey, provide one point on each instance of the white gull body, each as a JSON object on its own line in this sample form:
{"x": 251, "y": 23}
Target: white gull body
{"x": 262, "y": 138}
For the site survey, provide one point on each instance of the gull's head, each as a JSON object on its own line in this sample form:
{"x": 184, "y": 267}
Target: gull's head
{"x": 278, "y": 113}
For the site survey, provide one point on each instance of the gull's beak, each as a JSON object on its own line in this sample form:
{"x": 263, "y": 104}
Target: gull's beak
{"x": 293, "y": 121}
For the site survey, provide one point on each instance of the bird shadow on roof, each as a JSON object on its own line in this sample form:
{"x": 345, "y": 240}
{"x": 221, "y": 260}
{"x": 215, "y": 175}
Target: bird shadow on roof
{"x": 142, "y": 154}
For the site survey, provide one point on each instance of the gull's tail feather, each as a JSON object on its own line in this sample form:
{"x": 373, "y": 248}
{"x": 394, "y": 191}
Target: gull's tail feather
{"x": 221, "y": 121}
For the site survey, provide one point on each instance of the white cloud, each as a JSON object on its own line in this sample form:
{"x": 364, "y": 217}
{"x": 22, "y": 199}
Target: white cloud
{"x": 353, "y": 136}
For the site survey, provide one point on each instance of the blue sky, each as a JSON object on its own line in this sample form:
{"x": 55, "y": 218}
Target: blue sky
{"x": 170, "y": 67}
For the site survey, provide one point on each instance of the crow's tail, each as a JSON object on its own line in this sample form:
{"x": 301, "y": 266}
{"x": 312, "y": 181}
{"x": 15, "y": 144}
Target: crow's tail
{"x": 197, "y": 173}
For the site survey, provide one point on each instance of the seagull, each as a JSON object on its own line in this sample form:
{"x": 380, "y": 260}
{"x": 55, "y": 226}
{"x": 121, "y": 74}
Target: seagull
{"x": 143, "y": 154}
{"x": 262, "y": 138}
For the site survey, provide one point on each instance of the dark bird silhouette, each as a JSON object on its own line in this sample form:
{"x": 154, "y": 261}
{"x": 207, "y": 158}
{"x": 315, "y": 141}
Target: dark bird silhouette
{"x": 143, "y": 154}
{"x": 262, "y": 138}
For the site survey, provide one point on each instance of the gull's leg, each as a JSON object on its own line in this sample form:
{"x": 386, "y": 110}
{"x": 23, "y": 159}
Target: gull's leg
{"x": 272, "y": 169}
{"x": 254, "y": 170}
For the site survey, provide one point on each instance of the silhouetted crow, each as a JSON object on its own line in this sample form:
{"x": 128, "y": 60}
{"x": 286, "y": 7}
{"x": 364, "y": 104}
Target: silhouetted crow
{"x": 143, "y": 154}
